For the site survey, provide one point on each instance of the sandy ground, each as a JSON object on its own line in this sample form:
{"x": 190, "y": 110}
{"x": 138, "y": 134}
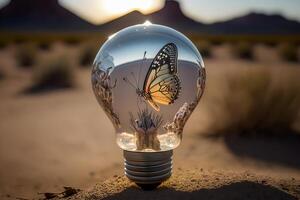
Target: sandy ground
{"x": 63, "y": 138}
{"x": 197, "y": 184}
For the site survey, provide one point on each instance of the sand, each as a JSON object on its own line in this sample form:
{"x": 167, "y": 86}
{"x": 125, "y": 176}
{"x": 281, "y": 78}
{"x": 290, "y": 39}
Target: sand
{"x": 197, "y": 184}
{"x": 63, "y": 138}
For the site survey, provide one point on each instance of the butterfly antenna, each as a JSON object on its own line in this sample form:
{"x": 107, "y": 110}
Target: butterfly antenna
{"x": 144, "y": 59}
{"x": 135, "y": 79}
{"x": 137, "y": 103}
{"x": 129, "y": 82}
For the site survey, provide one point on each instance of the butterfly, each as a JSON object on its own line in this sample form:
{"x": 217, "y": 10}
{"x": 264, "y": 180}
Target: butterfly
{"x": 161, "y": 85}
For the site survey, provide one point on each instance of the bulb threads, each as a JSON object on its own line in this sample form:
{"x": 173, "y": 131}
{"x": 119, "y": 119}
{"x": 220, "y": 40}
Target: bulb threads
{"x": 148, "y": 169}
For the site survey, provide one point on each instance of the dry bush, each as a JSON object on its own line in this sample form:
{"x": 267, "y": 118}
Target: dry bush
{"x": 256, "y": 102}
{"x": 1, "y": 74}
{"x": 88, "y": 54}
{"x": 204, "y": 48}
{"x": 44, "y": 45}
{"x": 26, "y": 55}
{"x": 72, "y": 40}
{"x": 243, "y": 50}
{"x": 3, "y": 44}
{"x": 54, "y": 73}
{"x": 18, "y": 40}
{"x": 217, "y": 41}
{"x": 270, "y": 40}
{"x": 270, "y": 43}
{"x": 288, "y": 52}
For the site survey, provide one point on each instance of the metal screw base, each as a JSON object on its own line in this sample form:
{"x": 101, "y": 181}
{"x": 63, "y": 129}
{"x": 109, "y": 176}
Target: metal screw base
{"x": 148, "y": 169}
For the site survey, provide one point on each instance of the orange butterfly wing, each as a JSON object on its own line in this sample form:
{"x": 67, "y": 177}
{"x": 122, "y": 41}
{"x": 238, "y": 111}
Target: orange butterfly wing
{"x": 162, "y": 83}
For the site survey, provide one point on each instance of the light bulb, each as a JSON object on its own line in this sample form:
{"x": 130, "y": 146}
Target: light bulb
{"x": 148, "y": 79}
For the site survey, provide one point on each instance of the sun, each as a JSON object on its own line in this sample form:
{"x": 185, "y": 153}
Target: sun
{"x": 120, "y": 7}
{"x": 102, "y": 11}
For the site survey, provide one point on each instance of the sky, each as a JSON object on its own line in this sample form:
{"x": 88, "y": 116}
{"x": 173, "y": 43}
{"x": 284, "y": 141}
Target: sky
{"x": 100, "y": 11}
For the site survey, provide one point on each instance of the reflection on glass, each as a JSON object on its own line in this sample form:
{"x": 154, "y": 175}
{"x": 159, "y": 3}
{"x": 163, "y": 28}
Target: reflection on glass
{"x": 149, "y": 79}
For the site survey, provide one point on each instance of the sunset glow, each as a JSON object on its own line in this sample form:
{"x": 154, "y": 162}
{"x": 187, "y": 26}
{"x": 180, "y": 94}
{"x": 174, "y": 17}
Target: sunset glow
{"x": 119, "y": 7}
{"x": 101, "y": 11}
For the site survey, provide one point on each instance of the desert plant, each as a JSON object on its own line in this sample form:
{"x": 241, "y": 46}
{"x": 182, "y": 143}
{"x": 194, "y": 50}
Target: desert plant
{"x": 18, "y": 40}
{"x": 256, "y": 102}
{"x": 26, "y": 55}
{"x": 54, "y": 73}
{"x": 87, "y": 54}
{"x": 270, "y": 43}
{"x": 217, "y": 41}
{"x": 44, "y": 45}
{"x": 72, "y": 40}
{"x": 243, "y": 50}
{"x": 220, "y": 39}
{"x": 288, "y": 52}
{"x": 3, "y": 44}
{"x": 204, "y": 48}
{"x": 1, "y": 74}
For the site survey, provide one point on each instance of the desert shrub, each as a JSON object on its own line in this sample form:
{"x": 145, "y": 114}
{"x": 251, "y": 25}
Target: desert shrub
{"x": 270, "y": 43}
{"x": 217, "y": 41}
{"x": 1, "y": 74}
{"x": 54, "y": 73}
{"x": 3, "y": 44}
{"x": 69, "y": 40}
{"x": 19, "y": 40}
{"x": 88, "y": 54}
{"x": 288, "y": 52}
{"x": 26, "y": 55}
{"x": 243, "y": 50}
{"x": 204, "y": 48}
{"x": 44, "y": 45}
{"x": 255, "y": 102}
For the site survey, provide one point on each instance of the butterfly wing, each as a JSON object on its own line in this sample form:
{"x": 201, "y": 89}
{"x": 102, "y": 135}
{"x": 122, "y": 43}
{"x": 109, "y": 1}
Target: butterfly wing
{"x": 162, "y": 85}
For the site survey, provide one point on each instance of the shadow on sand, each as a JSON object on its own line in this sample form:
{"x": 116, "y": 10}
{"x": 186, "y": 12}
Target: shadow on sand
{"x": 240, "y": 190}
{"x": 281, "y": 149}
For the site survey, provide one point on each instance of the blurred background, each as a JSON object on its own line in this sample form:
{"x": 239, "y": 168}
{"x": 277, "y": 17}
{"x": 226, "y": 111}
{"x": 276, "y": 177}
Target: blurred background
{"x": 54, "y": 134}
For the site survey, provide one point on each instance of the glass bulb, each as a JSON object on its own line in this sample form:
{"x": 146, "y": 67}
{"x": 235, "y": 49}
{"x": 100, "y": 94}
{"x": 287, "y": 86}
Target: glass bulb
{"x": 148, "y": 79}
